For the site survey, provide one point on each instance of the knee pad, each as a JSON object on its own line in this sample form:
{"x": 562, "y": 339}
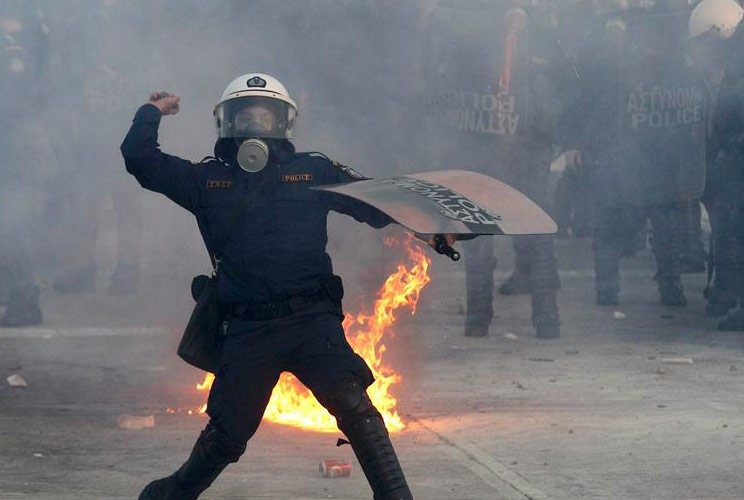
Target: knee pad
{"x": 217, "y": 447}
{"x": 347, "y": 400}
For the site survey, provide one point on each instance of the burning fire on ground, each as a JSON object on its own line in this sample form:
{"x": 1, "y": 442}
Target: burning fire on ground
{"x": 293, "y": 404}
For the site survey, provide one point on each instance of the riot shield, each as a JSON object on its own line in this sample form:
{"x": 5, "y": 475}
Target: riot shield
{"x": 450, "y": 201}
{"x": 662, "y": 132}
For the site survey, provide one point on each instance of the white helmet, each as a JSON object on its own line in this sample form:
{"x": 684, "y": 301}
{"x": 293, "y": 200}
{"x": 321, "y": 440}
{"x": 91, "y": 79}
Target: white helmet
{"x": 255, "y": 105}
{"x": 717, "y": 18}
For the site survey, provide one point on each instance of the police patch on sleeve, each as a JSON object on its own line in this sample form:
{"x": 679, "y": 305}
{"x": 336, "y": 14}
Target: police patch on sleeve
{"x": 350, "y": 171}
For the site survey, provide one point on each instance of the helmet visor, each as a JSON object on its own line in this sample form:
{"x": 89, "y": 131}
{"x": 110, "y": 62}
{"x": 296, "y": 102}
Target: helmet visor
{"x": 254, "y": 116}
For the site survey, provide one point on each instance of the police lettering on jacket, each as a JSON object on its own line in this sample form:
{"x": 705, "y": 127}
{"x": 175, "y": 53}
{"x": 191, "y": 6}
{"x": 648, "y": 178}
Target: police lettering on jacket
{"x": 479, "y": 113}
{"x": 664, "y": 106}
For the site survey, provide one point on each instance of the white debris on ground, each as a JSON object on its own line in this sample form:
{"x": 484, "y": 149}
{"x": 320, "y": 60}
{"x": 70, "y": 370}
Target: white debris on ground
{"x": 16, "y": 380}
{"x": 135, "y": 423}
{"x": 677, "y": 361}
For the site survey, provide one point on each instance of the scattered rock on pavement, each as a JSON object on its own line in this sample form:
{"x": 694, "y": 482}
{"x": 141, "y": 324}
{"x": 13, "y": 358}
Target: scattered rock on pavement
{"x": 677, "y": 361}
{"x": 16, "y": 380}
{"x": 132, "y": 422}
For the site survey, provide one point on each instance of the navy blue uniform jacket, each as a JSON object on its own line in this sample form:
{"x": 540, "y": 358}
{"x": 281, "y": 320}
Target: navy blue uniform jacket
{"x": 278, "y": 249}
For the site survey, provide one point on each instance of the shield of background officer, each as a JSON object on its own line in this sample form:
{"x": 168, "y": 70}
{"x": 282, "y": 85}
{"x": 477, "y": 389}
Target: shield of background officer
{"x": 450, "y": 201}
{"x": 662, "y": 109}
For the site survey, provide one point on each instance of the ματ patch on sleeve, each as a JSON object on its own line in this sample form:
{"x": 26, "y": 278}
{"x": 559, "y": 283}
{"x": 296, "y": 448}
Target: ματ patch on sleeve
{"x": 349, "y": 171}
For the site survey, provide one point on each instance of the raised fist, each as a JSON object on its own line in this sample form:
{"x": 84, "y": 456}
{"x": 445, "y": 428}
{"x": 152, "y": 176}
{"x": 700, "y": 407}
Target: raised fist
{"x": 165, "y": 102}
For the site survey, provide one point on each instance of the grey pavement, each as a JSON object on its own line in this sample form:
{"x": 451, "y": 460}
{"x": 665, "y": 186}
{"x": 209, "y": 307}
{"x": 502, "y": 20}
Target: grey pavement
{"x": 595, "y": 414}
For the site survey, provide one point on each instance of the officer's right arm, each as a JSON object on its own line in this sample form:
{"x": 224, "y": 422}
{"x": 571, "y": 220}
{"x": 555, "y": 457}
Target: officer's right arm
{"x": 174, "y": 177}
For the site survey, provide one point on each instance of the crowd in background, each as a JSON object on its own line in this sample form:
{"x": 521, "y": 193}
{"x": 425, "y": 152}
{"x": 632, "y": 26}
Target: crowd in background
{"x": 636, "y": 106}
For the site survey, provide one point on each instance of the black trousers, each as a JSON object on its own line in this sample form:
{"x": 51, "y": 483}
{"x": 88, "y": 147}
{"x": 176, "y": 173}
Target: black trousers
{"x": 534, "y": 257}
{"x": 727, "y": 219}
{"x": 573, "y": 201}
{"x": 310, "y": 346}
{"x": 534, "y": 253}
{"x": 616, "y": 235}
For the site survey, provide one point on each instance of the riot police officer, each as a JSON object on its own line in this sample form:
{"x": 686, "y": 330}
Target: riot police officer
{"x": 641, "y": 123}
{"x": 716, "y": 45}
{"x": 492, "y": 107}
{"x": 275, "y": 281}
{"x": 108, "y": 84}
{"x": 717, "y": 33}
{"x": 23, "y": 68}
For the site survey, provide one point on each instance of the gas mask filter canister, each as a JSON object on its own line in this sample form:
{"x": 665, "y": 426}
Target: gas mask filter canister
{"x": 253, "y": 155}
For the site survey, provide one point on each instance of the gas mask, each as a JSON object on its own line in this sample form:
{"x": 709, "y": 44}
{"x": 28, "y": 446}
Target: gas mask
{"x": 253, "y": 155}
{"x": 254, "y": 120}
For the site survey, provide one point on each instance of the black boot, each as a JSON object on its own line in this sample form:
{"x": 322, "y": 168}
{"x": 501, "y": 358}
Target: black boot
{"x": 371, "y": 444}
{"x": 607, "y": 298}
{"x": 734, "y": 322}
{"x": 720, "y": 302}
{"x": 479, "y": 266}
{"x": 472, "y": 330}
{"x": 672, "y": 294}
{"x": 166, "y": 489}
{"x": 548, "y": 330}
{"x": 23, "y": 308}
{"x": 212, "y": 452}
{"x": 545, "y": 315}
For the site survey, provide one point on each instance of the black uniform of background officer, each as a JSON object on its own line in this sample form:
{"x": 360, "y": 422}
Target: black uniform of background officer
{"x": 275, "y": 279}
{"x": 491, "y": 108}
{"x": 640, "y": 121}
{"x": 23, "y": 82}
{"x": 725, "y": 185}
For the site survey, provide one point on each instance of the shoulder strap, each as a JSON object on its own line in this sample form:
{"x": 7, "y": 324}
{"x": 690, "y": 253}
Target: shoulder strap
{"x": 313, "y": 154}
{"x": 219, "y": 245}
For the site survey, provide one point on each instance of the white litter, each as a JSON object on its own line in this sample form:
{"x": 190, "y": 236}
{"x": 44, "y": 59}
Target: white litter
{"x": 619, "y": 315}
{"x": 135, "y": 423}
{"x": 509, "y": 336}
{"x": 39, "y": 455}
{"x": 677, "y": 361}
{"x": 16, "y": 380}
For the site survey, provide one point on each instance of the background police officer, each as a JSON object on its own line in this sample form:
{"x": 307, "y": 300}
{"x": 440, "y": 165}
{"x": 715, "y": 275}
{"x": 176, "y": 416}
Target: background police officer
{"x": 23, "y": 75}
{"x": 640, "y": 121}
{"x": 717, "y": 35}
{"x": 275, "y": 280}
{"x": 109, "y": 81}
{"x": 491, "y": 107}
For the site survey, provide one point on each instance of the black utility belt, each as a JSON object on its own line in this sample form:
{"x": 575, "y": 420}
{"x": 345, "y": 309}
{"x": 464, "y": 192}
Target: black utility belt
{"x": 330, "y": 288}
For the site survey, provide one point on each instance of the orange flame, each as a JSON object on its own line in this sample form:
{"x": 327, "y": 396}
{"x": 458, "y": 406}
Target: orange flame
{"x": 293, "y": 404}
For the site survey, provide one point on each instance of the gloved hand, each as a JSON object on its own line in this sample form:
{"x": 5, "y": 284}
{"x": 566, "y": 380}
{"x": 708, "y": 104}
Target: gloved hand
{"x": 442, "y": 243}
{"x": 165, "y": 102}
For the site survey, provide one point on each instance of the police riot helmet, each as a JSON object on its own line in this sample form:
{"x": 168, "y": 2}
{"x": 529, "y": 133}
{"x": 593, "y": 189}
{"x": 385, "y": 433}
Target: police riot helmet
{"x": 715, "y": 18}
{"x": 255, "y": 105}
{"x": 255, "y": 110}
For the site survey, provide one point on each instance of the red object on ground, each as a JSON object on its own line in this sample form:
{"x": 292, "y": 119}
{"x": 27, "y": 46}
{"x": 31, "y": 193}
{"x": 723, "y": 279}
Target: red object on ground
{"x": 334, "y": 468}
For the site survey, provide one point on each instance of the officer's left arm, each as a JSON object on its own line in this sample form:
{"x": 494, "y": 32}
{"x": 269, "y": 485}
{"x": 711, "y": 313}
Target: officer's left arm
{"x": 366, "y": 213}
{"x": 348, "y": 206}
